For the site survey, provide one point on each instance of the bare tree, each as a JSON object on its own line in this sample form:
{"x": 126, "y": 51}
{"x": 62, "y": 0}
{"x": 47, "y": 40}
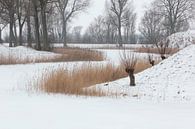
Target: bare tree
{"x": 9, "y": 12}
{"x": 116, "y": 12}
{"x": 175, "y": 13}
{"x": 151, "y": 27}
{"x": 3, "y": 23}
{"x": 36, "y": 21}
{"x": 129, "y": 25}
{"x": 102, "y": 30}
{"x": 150, "y": 56}
{"x": 129, "y": 61}
{"x": 43, "y": 8}
{"x": 2, "y": 27}
{"x": 21, "y": 16}
{"x": 68, "y": 9}
{"x": 76, "y": 32}
{"x": 28, "y": 9}
{"x": 164, "y": 48}
{"x": 111, "y": 30}
{"x": 97, "y": 30}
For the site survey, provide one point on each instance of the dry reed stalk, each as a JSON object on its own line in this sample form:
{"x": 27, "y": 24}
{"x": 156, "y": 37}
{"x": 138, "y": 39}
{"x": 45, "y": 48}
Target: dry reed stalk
{"x": 10, "y": 60}
{"x": 77, "y": 81}
{"x": 80, "y": 54}
{"x": 72, "y": 54}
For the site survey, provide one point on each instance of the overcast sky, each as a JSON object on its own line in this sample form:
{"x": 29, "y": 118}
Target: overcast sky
{"x": 98, "y": 7}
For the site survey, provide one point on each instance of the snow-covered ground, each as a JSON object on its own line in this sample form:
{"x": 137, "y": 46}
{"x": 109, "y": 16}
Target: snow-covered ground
{"x": 21, "y": 111}
{"x": 163, "y": 99}
{"x": 182, "y": 39}
{"x": 24, "y": 53}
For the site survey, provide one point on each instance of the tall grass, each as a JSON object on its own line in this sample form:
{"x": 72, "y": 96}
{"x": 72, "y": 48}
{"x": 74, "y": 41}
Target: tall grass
{"x": 65, "y": 55}
{"x": 142, "y": 65}
{"x": 80, "y": 54}
{"x": 78, "y": 80}
{"x": 12, "y": 59}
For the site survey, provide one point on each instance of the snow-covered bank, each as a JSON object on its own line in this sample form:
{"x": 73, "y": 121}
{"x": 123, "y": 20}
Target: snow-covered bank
{"x": 172, "y": 79}
{"x": 24, "y": 53}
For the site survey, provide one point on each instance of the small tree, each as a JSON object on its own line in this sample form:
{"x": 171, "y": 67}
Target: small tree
{"x": 150, "y": 56}
{"x": 164, "y": 48}
{"x": 151, "y": 27}
{"x": 129, "y": 61}
{"x": 176, "y": 14}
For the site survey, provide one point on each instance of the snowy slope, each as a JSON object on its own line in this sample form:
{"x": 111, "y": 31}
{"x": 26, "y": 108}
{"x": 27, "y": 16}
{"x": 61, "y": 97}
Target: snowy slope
{"x": 182, "y": 39}
{"x": 172, "y": 79}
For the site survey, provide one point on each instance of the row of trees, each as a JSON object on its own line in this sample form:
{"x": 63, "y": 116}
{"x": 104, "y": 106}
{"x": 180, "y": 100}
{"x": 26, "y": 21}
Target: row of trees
{"x": 41, "y": 21}
{"x": 118, "y": 25}
{"x": 40, "y": 18}
{"x": 162, "y": 19}
{"x": 166, "y": 17}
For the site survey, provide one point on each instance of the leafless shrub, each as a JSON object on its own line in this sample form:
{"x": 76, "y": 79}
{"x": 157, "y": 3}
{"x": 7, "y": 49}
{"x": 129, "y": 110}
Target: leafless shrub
{"x": 164, "y": 48}
{"x": 151, "y": 57}
{"x": 129, "y": 61}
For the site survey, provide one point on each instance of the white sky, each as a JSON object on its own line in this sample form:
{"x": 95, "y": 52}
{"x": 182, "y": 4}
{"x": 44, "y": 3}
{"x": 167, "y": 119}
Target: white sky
{"x": 98, "y": 7}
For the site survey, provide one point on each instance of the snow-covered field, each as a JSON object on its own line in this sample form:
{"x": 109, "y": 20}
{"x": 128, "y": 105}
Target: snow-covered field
{"x": 20, "y": 111}
{"x": 164, "y": 98}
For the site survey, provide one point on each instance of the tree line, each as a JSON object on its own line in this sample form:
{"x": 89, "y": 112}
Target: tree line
{"x": 40, "y": 19}
{"x": 45, "y": 21}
